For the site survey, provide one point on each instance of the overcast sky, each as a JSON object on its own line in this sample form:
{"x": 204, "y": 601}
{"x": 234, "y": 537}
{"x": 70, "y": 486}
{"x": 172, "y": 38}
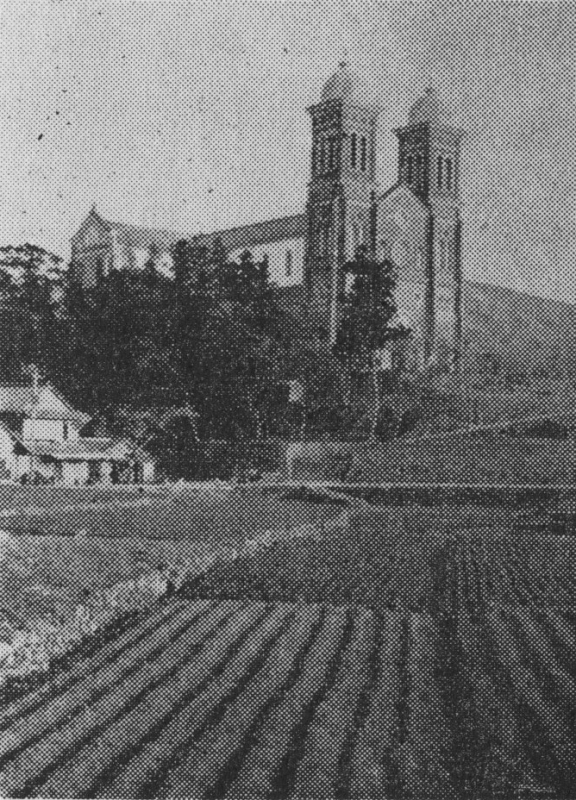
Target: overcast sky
{"x": 192, "y": 116}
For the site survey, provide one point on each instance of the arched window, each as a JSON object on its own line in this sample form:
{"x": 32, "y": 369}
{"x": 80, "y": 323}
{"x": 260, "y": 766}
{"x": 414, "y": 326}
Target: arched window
{"x": 409, "y": 167}
{"x": 419, "y": 171}
{"x": 331, "y": 153}
{"x": 326, "y": 240}
{"x": 420, "y": 259}
{"x": 443, "y": 255}
{"x": 288, "y": 264}
{"x": 439, "y": 171}
{"x": 449, "y": 254}
{"x": 400, "y": 253}
{"x": 363, "y": 153}
{"x": 448, "y": 165}
{"x": 353, "y": 150}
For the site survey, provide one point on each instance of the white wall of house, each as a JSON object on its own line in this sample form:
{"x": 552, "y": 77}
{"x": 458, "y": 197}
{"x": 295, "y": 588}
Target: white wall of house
{"x": 74, "y": 473}
{"x": 148, "y": 471}
{"x": 7, "y": 451}
{"x": 22, "y": 465}
{"x": 54, "y": 430}
{"x": 106, "y": 472}
{"x": 48, "y": 401}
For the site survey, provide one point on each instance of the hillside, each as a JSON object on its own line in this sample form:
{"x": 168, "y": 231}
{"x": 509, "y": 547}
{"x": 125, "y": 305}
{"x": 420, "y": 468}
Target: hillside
{"x": 522, "y": 329}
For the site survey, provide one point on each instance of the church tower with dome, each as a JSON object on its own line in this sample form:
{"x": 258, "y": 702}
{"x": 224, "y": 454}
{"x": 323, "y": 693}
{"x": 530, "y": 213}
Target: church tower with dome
{"x": 416, "y": 224}
{"x": 341, "y": 191}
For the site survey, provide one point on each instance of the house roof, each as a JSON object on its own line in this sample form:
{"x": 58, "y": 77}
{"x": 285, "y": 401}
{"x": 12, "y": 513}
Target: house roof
{"x": 244, "y": 236}
{"x": 86, "y": 449}
{"x": 21, "y": 399}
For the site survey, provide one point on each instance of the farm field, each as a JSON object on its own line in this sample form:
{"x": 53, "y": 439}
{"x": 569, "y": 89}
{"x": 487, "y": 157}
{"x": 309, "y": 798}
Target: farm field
{"x": 416, "y": 653}
{"x": 59, "y": 547}
{"x": 384, "y": 559}
{"x": 207, "y": 514}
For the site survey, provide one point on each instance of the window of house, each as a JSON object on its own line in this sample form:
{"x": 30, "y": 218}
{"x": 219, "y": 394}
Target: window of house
{"x": 409, "y": 167}
{"x": 65, "y": 431}
{"x": 288, "y": 269}
{"x": 94, "y": 471}
{"x": 353, "y": 150}
{"x": 363, "y": 153}
{"x": 448, "y": 165}
{"x": 440, "y": 169}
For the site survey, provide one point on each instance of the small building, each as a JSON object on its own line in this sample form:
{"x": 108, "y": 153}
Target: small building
{"x": 40, "y": 440}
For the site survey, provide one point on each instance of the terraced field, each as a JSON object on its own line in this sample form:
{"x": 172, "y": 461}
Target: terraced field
{"x": 351, "y": 666}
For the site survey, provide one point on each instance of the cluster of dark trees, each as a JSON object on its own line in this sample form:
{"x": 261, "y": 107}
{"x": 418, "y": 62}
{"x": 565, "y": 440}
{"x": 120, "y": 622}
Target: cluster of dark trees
{"x": 206, "y": 355}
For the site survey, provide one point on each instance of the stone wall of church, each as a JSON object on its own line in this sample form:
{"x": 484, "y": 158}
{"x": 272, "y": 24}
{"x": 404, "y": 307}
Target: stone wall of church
{"x": 401, "y": 236}
{"x": 285, "y": 260}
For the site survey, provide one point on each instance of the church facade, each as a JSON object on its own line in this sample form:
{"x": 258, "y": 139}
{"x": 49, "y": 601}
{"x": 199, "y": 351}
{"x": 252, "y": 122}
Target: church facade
{"x": 416, "y": 223}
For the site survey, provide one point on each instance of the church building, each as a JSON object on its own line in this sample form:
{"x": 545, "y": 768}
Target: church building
{"x": 416, "y": 223}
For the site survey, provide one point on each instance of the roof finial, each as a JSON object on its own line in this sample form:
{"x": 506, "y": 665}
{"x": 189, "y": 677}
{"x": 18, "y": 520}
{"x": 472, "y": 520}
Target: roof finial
{"x": 344, "y": 62}
{"x": 93, "y": 209}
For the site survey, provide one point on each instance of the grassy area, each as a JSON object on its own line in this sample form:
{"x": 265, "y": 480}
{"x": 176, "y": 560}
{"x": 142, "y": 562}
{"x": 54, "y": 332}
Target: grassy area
{"x": 194, "y": 515}
{"x": 497, "y": 460}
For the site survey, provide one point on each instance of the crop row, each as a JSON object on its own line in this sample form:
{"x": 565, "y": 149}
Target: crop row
{"x": 244, "y": 700}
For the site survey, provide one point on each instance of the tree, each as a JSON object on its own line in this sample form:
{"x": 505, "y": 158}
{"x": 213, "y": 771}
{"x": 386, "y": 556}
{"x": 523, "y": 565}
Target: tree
{"x": 366, "y": 327}
{"x": 29, "y": 260}
{"x": 189, "y": 257}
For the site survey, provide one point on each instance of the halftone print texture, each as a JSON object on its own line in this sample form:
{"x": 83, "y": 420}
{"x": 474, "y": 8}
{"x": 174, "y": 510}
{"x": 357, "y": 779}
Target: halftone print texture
{"x": 287, "y": 401}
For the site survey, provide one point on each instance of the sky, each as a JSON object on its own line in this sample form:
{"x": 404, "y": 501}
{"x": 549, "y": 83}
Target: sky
{"x": 192, "y": 116}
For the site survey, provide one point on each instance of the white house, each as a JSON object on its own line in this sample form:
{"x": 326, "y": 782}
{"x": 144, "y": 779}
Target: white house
{"x": 40, "y": 435}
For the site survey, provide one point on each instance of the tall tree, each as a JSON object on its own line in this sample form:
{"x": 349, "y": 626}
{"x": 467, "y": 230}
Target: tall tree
{"x": 366, "y": 328}
{"x": 189, "y": 257}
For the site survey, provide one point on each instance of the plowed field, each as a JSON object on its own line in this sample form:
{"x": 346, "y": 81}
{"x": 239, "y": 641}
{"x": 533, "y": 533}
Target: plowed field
{"x": 440, "y": 667}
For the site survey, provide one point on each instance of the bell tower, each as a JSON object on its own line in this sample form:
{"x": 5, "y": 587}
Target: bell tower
{"x": 340, "y": 193}
{"x": 429, "y": 164}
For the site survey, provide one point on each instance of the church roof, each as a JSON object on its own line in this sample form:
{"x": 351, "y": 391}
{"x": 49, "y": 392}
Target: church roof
{"x": 86, "y": 449}
{"x": 273, "y": 230}
{"x": 345, "y": 85}
{"x": 244, "y": 236}
{"x": 427, "y": 109}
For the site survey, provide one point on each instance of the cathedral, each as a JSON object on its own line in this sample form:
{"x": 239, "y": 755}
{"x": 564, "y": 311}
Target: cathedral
{"x": 416, "y": 223}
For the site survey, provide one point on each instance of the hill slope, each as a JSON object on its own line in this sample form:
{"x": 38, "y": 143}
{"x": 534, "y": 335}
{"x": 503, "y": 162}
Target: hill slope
{"x": 521, "y": 328}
